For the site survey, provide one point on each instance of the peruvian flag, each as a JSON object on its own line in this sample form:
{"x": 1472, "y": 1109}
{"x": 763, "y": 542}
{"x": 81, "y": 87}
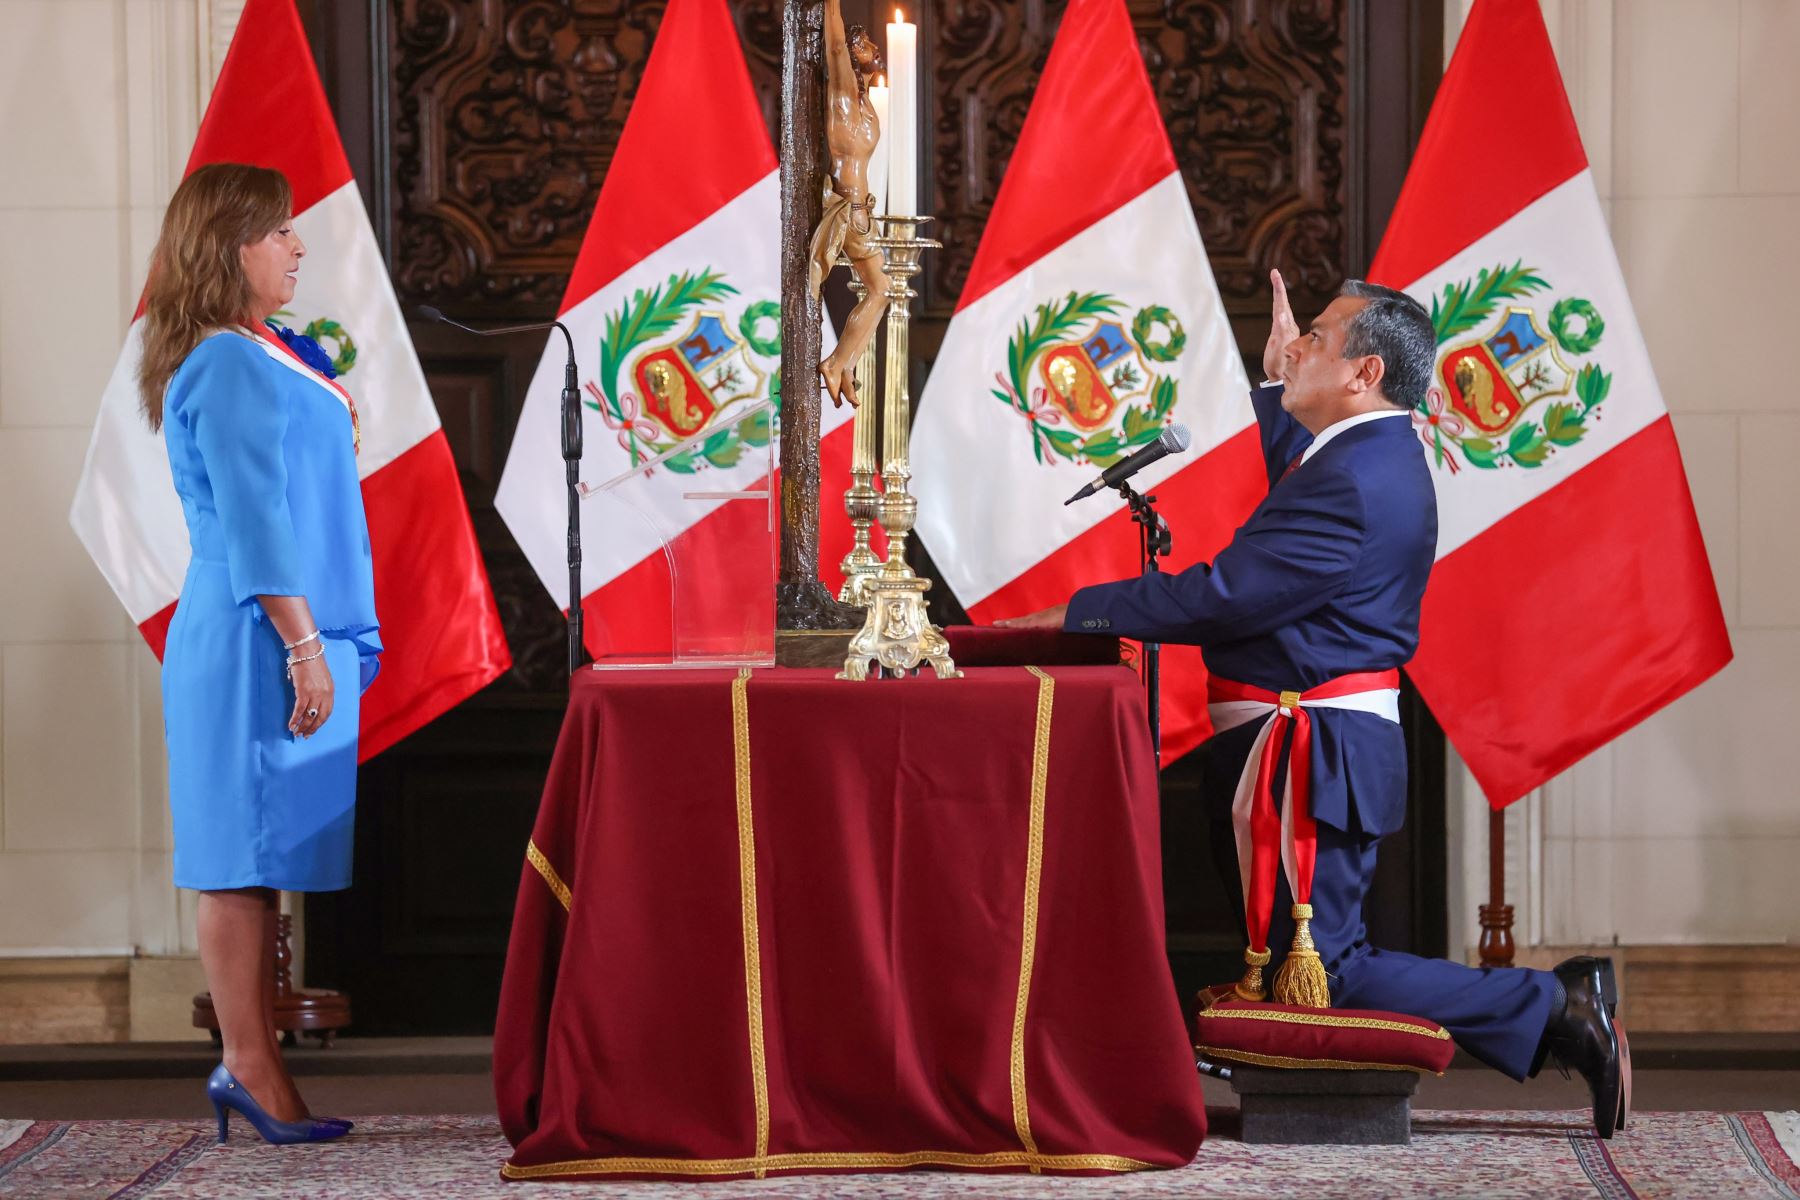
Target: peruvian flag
{"x": 1572, "y": 596}
{"x": 1089, "y": 322}
{"x": 674, "y": 304}
{"x": 438, "y": 621}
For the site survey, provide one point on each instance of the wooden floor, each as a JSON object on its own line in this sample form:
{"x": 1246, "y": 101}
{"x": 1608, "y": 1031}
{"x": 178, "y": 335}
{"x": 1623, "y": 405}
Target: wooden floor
{"x": 449, "y": 1075}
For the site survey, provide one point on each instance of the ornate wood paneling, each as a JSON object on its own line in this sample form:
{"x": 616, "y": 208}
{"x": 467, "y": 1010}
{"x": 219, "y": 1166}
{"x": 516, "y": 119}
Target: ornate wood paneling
{"x": 1254, "y": 101}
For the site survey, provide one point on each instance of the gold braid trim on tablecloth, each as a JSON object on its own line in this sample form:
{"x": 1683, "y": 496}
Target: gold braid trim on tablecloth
{"x": 1329, "y": 1019}
{"x": 1305, "y": 1064}
{"x": 763, "y": 1162}
{"x": 840, "y": 1161}
{"x": 536, "y": 858}
{"x": 759, "y": 1071}
{"x": 1034, "y": 875}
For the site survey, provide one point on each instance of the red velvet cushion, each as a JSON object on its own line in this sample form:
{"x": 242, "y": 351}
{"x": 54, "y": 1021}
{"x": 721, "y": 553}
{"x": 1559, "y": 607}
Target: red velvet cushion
{"x": 1283, "y": 1035}
{"x": 989, "y": 646}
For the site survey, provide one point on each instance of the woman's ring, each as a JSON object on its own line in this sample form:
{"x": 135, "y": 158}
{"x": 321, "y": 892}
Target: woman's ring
{"x": 312, "y": 712}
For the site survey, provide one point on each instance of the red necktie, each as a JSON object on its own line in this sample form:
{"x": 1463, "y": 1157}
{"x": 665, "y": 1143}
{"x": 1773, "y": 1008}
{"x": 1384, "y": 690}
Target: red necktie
{"x": 1293, "y": 466}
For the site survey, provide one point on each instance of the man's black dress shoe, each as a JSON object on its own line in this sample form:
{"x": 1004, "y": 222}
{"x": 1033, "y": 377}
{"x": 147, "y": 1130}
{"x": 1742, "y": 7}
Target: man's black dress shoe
{"x": 1584, "y": 1039}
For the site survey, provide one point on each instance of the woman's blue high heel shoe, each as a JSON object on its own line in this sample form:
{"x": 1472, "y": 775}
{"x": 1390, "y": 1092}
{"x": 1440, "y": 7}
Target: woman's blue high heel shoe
{"x": 227, "y": 1094}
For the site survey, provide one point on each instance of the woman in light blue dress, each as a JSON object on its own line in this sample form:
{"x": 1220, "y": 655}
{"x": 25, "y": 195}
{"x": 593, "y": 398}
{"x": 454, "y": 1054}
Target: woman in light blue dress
{"x": 274, "y": 637}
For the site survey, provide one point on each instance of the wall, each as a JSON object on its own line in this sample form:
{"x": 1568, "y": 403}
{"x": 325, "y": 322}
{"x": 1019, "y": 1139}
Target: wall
{"x": 99, "y": 101}
{"x": 1687, "y": 830}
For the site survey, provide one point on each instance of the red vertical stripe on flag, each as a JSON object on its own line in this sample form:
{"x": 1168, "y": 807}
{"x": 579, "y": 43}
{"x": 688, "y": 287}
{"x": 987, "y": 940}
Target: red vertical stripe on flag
{"x": 1597, "y": 604}
{"x": 1501, "y": 103}
{"x": 155, "y": 630}
{"x": 439, "y": 626}
{"x": 1049, "y": 194}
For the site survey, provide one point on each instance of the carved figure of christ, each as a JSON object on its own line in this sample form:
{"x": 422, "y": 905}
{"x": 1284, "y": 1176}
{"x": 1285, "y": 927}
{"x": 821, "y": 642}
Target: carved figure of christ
{"x": 851, "y": 133}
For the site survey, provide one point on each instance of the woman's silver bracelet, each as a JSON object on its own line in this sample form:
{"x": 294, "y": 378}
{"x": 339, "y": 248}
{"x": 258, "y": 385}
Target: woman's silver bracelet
{"x": 311, "y": 637}
{"x": 293, "y": 662}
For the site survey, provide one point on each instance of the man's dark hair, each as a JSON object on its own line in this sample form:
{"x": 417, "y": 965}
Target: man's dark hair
{"x": 1395, "y": 328}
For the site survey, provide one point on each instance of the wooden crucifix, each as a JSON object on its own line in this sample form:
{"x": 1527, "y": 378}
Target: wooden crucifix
{"x": 801, "y": 600}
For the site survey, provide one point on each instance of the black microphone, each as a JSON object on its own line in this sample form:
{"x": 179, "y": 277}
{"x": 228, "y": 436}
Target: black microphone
{"x": 435, "y": 314}
{"x": 1173, "y": 440}
{"x": 571, "y": 453}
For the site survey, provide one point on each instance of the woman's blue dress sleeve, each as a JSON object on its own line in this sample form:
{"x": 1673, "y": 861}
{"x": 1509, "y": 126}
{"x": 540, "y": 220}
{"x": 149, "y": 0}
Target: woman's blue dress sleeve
{"x": 239, "y": 422}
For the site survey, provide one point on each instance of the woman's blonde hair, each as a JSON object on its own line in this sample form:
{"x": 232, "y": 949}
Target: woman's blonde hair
{"x": 197, "y": 281}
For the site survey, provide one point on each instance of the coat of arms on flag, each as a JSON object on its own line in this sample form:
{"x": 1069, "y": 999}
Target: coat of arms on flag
{"x": 1074, "y": 362}
{"x": 1486, "y": 389}
{"x": 656, "y": 390}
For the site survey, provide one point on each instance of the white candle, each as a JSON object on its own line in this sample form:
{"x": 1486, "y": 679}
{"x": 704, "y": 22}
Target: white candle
{"x": 878, "y": 161}
{"x": 903, "y": 152}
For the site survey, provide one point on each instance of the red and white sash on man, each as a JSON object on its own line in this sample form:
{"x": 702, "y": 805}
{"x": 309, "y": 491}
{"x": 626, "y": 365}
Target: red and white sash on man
{"x": 1262, "y": 832}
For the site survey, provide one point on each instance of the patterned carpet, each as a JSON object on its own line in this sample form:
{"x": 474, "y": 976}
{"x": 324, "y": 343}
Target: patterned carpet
{"x": 1475, "y": 1154}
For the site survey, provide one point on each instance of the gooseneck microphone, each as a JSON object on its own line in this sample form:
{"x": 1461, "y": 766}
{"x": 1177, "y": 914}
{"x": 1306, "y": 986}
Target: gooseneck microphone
{"x": 437, "y": 314}
{"x": 1173, "y": 440}
{"x": 571, "y": 453}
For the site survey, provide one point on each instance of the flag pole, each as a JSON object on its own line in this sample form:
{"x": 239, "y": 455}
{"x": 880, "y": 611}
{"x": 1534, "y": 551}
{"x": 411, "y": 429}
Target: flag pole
{"x": 1496, "y": 914}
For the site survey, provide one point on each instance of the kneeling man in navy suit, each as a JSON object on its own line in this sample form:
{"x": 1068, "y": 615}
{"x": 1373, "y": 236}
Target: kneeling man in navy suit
{"x": 1304, "y": 621}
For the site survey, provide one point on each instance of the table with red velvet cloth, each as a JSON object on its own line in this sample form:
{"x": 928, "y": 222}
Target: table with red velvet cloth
{"x": 773, "y": 922}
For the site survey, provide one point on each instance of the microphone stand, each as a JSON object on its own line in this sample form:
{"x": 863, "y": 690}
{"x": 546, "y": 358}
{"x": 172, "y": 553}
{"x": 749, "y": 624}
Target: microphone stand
{"x": 571, "y": 453}
{"x": 1154, "y": 540}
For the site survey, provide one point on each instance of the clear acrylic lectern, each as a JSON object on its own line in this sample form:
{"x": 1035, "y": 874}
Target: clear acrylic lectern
{"x": 698, "y": 524}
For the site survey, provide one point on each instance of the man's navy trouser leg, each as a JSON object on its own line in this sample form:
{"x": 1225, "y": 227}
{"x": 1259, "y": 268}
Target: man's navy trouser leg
{"x": 1497, "y": 1014}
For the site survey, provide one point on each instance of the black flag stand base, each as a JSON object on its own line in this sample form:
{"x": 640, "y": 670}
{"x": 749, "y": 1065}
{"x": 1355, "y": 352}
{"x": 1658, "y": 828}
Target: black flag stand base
{"x": 1154, "y": 540}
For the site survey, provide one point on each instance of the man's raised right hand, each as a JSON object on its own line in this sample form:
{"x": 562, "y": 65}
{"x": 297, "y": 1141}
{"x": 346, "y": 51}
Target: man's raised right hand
{"x": 1282, "y": 328}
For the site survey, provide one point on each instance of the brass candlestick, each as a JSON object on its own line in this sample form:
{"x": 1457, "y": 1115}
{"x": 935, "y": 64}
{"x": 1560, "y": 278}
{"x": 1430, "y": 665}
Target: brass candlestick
{"x": 861, "y": 564}
{"x": 896, "y": 635}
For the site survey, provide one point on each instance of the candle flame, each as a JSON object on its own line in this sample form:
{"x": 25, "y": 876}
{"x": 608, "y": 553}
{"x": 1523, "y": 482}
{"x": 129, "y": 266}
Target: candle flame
{"x": 881, "y": 81}
{"x": 899, "y": 17}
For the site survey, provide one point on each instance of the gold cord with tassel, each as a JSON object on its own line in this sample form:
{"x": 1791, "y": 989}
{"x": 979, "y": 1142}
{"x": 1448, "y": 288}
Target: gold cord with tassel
{"x": 1301, "y": 979}
{"x": 1250, "y": 987}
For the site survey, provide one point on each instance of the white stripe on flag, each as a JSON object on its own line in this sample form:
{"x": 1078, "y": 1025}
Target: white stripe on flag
{"x": 347, "y": 282}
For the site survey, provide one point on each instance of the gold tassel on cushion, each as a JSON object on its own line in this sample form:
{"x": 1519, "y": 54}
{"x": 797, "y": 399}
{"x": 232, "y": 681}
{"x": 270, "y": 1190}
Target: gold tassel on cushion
{"x": 1250, "y": 987}
{"x": 1301, "y": 979}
